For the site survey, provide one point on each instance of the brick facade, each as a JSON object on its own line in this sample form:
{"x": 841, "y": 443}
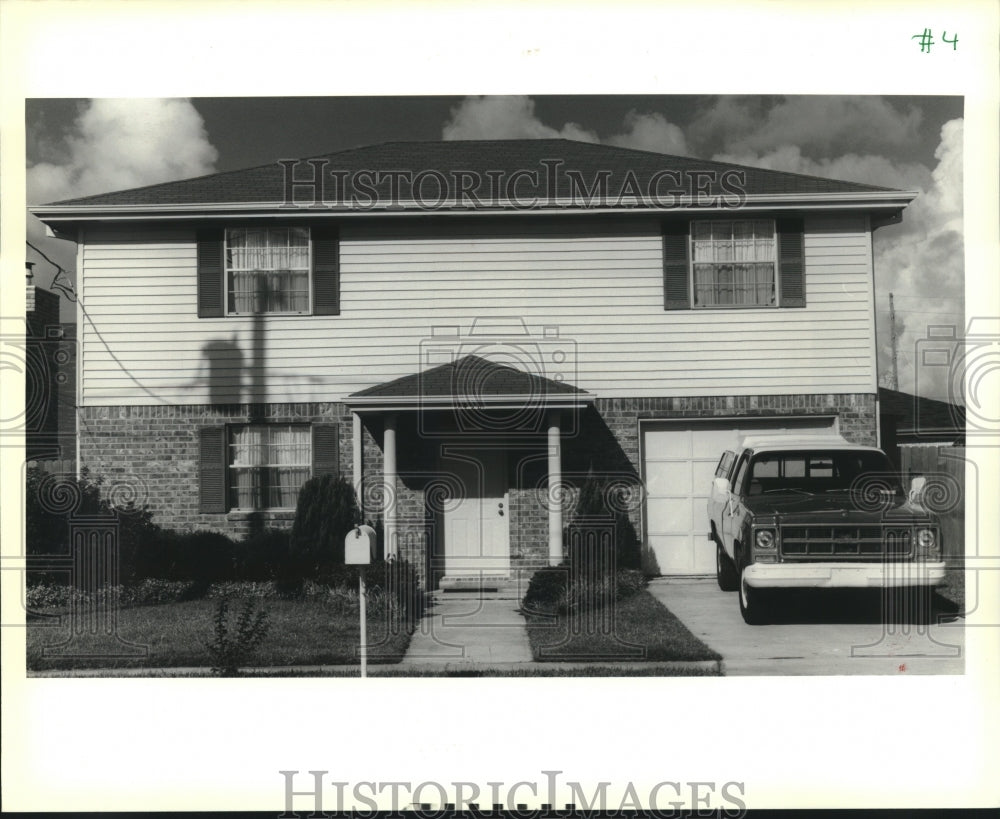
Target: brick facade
{"x": 155, "y": 449}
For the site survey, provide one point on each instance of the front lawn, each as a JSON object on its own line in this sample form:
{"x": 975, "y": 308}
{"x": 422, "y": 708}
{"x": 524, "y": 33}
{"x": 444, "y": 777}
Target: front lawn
{"x": 636, "y": 628}
{"x": 311, "y": 630}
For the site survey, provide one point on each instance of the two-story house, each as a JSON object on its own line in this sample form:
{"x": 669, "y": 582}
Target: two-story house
{"x": 467, "y": 330}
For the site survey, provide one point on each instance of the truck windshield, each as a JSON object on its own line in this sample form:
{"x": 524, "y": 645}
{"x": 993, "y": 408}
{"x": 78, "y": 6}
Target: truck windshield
{"x": 817, "y": 471}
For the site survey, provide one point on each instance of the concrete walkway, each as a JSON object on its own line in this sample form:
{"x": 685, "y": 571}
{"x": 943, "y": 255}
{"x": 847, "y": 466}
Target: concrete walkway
{"x": 466, "y": 629}
{"x": 814, "y": 635}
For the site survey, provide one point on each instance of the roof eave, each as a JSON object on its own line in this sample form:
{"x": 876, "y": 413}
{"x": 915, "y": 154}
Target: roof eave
{"x": 376, "y": 403}
{"x": 865, "y": 200}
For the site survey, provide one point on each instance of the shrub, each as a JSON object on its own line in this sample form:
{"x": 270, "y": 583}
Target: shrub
{"x": 629, "y": 582}
{"x": 556, "y": 589}
{"x": 599, "y": 505}
{"x": 547, "y": 589}
{"x": 229, "y": 651}
{"x": 53, "y": 500}
{"x": 396, "y": 580}
{"x": 326, "y": 511}
{"x": 153, "y": 591}
{"x": 202, "y": 556}
{"x": 262, "y": 556}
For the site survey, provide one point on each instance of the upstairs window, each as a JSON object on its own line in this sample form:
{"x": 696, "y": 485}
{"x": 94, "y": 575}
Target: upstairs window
{"x": 733, "y": 263}
{"x": 252, "y": 270}
{"x": 267, "y": 270}
{"x": 714, "y": 264}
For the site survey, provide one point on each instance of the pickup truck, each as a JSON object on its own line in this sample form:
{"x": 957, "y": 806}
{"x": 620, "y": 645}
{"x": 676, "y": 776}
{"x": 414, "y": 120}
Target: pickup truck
{"x": 817, "y": 512}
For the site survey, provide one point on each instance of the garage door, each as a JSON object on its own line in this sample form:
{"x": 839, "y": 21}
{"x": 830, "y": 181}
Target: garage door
{"x": 679, "y": 460}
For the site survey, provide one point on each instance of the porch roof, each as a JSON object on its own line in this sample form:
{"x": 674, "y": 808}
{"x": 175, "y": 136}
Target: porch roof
{"x": 470, "y": 381}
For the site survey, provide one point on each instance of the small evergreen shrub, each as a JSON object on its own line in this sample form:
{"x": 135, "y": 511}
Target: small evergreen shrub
{"x": 262, "y": 556}
{"x": 52, "y": 501}
{"x": 547, "y": 590}
{"x": 326, "y": 511}
{"x": 203, "y": 556}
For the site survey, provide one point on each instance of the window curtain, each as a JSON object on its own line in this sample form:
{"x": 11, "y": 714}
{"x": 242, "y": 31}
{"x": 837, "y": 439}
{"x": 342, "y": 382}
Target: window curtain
{"x": 269, "y": 464}
{"x": 733, "y": 262}
{"x": 268, "y": 269}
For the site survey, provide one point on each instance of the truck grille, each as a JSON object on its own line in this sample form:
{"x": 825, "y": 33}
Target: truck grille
{"x": 844, "y": 542}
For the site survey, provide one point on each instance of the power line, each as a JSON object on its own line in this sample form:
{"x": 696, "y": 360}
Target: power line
{"x": 67, "y": 288}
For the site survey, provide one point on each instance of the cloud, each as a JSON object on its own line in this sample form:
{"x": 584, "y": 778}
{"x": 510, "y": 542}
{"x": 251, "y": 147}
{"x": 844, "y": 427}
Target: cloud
{"x": 116, "y": 144}
{"x": 818, "y": 125}
{"x": 650, "y": 132}
{"x": 922, "y": 263}
{"x": 507, "y": 117}
{"x": 868, "y": 169}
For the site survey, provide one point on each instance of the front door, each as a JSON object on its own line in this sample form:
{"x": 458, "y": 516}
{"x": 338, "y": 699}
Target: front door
{"x": 476, "y": 516}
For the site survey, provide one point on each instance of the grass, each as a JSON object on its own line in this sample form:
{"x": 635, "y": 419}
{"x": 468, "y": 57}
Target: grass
{"x": 637, "y": 628}
{"x": 306, "y": 631}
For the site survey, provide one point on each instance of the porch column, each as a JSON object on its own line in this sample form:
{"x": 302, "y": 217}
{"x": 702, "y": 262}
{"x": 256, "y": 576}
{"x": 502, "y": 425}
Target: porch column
{"x": 555, "y": 490}
{"x": 357, "y": 462}
{"x": 389, "y": 478}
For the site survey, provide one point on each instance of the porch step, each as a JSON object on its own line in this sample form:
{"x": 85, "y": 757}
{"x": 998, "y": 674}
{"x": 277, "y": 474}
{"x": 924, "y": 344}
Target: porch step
{"x": 484, "y": 586}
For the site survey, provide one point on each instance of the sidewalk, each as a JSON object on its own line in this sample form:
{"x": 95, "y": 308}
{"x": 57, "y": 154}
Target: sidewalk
{"x": 464, "y": 630}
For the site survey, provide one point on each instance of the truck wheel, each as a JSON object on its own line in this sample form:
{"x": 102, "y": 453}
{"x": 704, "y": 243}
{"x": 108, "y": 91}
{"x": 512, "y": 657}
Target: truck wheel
{"x": 753, "y": 602}
{"x": 725, "y": 571}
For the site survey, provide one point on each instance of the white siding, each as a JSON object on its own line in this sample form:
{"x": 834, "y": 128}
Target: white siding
{"x": 603, "y": 290}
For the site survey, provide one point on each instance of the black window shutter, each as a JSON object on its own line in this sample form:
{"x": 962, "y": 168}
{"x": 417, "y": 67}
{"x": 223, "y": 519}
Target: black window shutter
{"x": 676, "y": 271}
{"x": 326, "y": 271}
{"x": 792, "y": 262}
{"x": 210, "y": 273}
{"x": 212, "y": 470}
{"x": 326, "y": 450}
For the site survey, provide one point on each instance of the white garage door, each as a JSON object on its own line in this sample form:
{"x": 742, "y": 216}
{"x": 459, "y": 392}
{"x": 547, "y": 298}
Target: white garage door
{"x": 679, "y": 460}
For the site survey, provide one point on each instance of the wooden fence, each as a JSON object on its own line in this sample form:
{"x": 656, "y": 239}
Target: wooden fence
{"x": 944, "y": 468}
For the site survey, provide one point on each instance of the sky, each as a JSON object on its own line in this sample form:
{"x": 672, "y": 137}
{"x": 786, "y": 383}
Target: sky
{"x": 77, "y": 147}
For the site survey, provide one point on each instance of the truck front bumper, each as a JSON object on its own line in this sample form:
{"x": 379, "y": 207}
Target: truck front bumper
{"x": 842, "y": 575}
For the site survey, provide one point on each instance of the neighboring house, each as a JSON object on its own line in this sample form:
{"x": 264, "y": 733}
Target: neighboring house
{"x": 50, "y": 380}
{"x": 915, "y": 421}
{"x": 469, "y": 336}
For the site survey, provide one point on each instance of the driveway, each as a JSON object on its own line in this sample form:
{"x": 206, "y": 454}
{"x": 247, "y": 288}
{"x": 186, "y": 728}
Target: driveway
{"x": 828, "y": 633}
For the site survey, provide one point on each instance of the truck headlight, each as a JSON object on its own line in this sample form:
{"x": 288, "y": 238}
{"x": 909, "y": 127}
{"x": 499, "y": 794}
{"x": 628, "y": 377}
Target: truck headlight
{"x": 764, "y": 539}
{"x": 927, "y": 543}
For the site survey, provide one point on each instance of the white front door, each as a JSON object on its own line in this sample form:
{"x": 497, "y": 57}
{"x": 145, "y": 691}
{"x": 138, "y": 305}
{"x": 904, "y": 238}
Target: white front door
{"x": 476, "y": 516}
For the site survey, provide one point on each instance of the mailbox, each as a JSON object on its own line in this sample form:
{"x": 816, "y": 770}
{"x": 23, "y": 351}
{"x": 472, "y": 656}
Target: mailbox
{"x": 359, "y": 546}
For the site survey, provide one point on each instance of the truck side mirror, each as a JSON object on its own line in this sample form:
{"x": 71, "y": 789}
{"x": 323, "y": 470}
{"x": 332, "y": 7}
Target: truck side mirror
{"x": 917, "y": 487}
{"x": 720, "y": 486}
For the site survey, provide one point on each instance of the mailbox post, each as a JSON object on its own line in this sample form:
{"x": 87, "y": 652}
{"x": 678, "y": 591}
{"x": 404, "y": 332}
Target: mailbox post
{"x": 359, "y": 546}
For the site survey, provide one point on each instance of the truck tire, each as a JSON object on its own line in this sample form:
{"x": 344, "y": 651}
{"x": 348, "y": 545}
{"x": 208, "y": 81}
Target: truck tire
{"x": 753, "y": 602}
{"x": 725, "y": 571}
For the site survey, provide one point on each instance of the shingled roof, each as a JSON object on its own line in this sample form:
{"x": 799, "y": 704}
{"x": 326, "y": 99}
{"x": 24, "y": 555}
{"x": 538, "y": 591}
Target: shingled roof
{"x": 916, "y": 415}
{"x": 472, "y": 379}
{"x": 265, "y": 184}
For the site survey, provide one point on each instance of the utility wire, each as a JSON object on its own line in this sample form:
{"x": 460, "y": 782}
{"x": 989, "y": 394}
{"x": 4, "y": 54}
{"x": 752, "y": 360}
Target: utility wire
{"x": 67, "y": 288}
